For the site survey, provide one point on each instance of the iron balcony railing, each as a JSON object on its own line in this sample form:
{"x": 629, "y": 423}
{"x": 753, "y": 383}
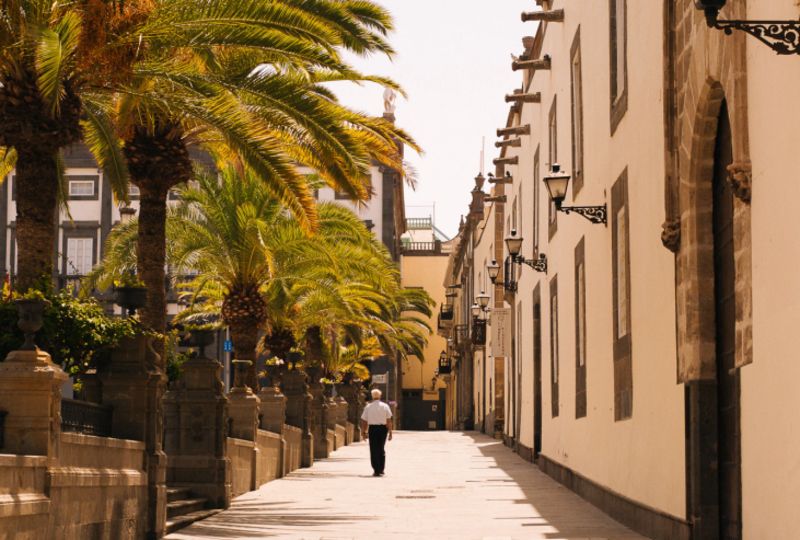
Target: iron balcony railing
{"x": 479, "y": 332}
{"x": 87, "y": 418}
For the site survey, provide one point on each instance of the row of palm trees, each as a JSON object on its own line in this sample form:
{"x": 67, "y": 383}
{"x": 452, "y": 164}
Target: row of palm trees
{"x": 143, "y": 82}
{"x": 335, "y": 294}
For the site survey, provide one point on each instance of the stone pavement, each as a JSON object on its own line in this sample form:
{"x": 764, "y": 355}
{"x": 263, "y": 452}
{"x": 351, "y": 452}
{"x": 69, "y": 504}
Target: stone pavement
{"x": 438, "y": 485}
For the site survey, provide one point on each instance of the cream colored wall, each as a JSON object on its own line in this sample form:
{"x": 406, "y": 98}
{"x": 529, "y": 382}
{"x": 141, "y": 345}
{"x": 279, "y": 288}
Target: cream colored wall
{"x": 483, "y": 363}
{"x": 769, "y": 394}
{"x": 643, "y": 457}
{"x": 426, "y": 272}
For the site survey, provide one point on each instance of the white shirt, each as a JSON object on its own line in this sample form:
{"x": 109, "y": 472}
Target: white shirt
{"x": 376, "y": 413}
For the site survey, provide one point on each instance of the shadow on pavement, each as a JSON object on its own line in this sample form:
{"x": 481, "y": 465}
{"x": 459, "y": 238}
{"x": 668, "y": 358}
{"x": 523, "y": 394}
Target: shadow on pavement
{"x": 552, "y": 503}
{"x": 263, "y": 520}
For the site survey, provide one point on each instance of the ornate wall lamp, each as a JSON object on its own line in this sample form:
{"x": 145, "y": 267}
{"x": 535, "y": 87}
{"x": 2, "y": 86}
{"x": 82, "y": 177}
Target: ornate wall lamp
{"x": 557, "y": 183}
{"x": 493, "y": 270}
{"x": 514, "y": 245}
{"x": 783, "y": 37}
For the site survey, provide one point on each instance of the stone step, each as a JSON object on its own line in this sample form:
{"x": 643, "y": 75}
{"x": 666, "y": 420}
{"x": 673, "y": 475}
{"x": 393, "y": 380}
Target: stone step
{"x": 179, "y": 522}
{"x": 185, "y": 506}
{"x": 176, "y": 494}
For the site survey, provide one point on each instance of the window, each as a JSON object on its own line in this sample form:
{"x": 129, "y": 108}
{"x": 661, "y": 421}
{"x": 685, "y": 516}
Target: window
{"x": 621, "y": 290}
{"x": 580, "y": 330}
{"x": 80, "y": 256}
{"x": 554, "y": 371}
{"x": 82, "y": 187}
{"x": 619, "y": 68}
{"x": 577, "y": 114}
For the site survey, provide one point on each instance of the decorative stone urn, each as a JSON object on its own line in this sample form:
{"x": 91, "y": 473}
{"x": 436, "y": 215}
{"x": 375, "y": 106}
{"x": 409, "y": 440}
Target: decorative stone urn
{"x": 130, "y": 298}
{"x": 31, "y": 319}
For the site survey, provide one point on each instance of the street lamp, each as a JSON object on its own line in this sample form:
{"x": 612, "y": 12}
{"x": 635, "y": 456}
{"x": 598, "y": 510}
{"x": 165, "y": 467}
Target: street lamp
{"x": 783, "y": 37}
{"x": 483, "y": 300}
{"x": 514, "y": 245}
{"x": 557, "y": 183}
{"x": 476, "y": 311}
{"x": 493, "y": 269}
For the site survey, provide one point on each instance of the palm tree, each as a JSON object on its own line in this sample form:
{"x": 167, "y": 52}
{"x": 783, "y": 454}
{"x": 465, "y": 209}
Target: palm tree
{"x": 252, "y": 86}
{"x": 45, "y": 52}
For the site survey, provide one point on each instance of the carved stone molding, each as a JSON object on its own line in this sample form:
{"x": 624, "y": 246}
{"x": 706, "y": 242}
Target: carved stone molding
{"x": 671, "y": 235}
{"x": 740, "y": 177}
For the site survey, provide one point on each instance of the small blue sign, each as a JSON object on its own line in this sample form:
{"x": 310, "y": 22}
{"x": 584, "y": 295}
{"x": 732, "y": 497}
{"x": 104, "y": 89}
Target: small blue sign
{"x": 227, "y": 346}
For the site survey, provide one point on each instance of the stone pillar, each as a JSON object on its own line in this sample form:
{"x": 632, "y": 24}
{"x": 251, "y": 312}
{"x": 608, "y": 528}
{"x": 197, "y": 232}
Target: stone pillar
{"x": 196, "y": 425}
{"x": 299, "y": 412}
{"x": 341, "y": 416}
{"x": 134, "y": 385}
{"x": 319, "y": 406}
{"x": 349, "y": 392}
{"x": 272, "y": 409}
{"x": 243, "y": 406}
{"x": 30, "y": 394}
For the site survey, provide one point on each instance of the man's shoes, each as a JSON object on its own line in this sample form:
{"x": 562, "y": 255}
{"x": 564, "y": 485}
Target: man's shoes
{"x": 375, "y": 474}
{"x": 381, "y": 474}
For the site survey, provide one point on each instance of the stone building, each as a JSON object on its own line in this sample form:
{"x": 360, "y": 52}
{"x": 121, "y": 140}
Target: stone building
{"x": 423, "y": 261}
{"x": 649, "y": 364}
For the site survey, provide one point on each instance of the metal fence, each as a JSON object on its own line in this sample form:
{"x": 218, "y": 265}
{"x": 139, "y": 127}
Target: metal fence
{"x": 85, "y": 417}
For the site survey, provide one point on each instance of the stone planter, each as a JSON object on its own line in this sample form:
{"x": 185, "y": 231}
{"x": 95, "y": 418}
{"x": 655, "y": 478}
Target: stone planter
{"x": 130, "y": 298}
{"x": 201, "y": 339}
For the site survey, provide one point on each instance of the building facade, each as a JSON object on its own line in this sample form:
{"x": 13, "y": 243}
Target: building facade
{"x": 648, "y": 365}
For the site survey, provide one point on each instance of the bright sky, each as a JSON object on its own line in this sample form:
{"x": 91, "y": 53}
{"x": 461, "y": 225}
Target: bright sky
{"x": 454, "y": 61}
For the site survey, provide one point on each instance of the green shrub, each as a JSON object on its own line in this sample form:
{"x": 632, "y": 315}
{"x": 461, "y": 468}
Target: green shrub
{"x": 78, "y": 334}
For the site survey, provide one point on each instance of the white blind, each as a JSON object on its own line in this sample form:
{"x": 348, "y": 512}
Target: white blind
{"x": 79, "y": 256}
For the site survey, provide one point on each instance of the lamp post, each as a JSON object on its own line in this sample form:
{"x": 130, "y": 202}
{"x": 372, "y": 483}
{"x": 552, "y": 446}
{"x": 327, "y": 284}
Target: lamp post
{"x": 783, "y": 37}
{"x": 557, "y": 183}
{"x": 514, "y": 245}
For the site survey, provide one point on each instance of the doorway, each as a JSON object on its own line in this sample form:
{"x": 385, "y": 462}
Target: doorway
{"x": 537, "y": 374}
{"x": 727, "y": 376}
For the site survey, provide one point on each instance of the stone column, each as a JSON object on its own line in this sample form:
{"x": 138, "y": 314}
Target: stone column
{"x": 134, "y": 385}
{"x": 30, "y": 394}
{"x": 319, "y": 406}
{"x": 243, "y": 406}
{"x": 349, "y": 391}
{"x": 196, "y": 425}
{"x": 272, "y": 409}
{"x": 299, "y": 412}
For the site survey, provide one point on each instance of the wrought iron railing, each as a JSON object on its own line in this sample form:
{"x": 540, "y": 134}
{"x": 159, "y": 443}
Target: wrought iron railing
{"x": 85, "y": 417}
{"x": 479, "y": 332}
{"x": 446, "y": 313}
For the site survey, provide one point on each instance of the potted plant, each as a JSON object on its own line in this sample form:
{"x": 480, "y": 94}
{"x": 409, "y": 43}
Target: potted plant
{"x": 294, "y": 357}
{"x": 274, "y": 371}
{"x": 129, "y": 293}
{"x": 30, "y": 307}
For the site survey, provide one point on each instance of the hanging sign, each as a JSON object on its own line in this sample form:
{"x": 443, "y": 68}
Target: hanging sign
{"x": 501, "y": 332}
{"x": 227, "y": 345}
{"x": 381, "y": 378}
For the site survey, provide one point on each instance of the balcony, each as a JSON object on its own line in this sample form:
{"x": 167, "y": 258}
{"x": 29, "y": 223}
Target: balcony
{"x": 421, "y": 248}
{"x": 419, "y": 224}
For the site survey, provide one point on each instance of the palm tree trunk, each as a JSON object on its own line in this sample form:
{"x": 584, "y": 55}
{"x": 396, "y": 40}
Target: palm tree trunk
{"x": 151, "y": 254}
{"x": 244, "y": 336}
{"x": 37, "y": 176}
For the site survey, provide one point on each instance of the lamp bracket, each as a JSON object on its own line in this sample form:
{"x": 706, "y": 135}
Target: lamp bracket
{"x": 540, "y": 264}
{"x": 783, "y": 37}
{"x": 595, "y": 214}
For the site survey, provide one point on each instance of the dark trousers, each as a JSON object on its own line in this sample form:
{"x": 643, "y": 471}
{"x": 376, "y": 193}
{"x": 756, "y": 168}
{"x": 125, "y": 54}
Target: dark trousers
{"x": 377, "y": 442}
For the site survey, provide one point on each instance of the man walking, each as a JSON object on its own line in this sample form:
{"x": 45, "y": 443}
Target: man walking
{"x": 377, "y": 421}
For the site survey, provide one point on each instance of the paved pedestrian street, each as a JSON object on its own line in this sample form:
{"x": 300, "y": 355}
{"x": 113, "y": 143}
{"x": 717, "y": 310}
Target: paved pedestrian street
{"x": 438, "y": 485}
